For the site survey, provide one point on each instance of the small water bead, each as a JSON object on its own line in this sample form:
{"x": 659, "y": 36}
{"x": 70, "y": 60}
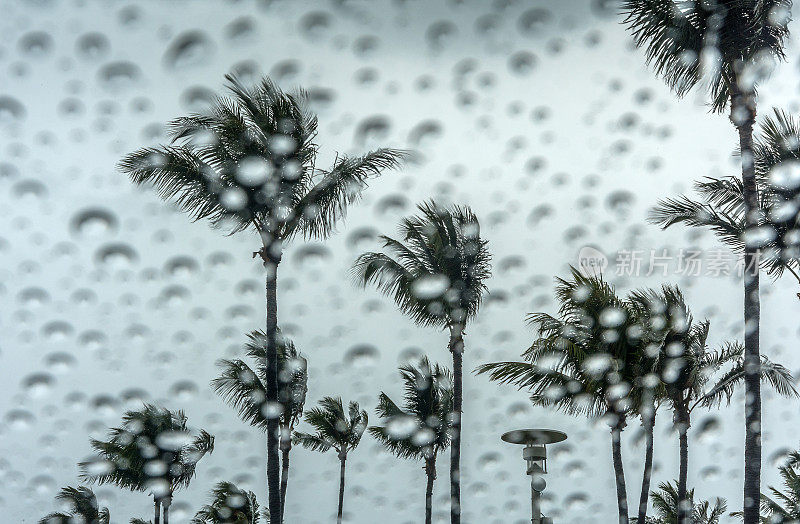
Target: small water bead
{"x": 93, "y": 223}
{"x": 38, "y": 384}
{"x": 36, "y": 44}
{"x": 119, "y": 76}
{"x": 362, "y": 355}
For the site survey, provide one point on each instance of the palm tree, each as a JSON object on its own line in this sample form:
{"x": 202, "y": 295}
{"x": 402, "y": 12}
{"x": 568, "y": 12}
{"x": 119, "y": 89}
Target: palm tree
{"x": 667, "y": 503}
{"x": 249, "y": 162}
{"x": 420, "y": 429}
{"x": 738, "y": 37}
{"x": 335, "y": 430}
{"x": 436, "y": 275}
{"x": 83, "y": 508}
{"x": 245, "y": 389}
{"x": 229, "y": 505}
{"x": 152, "y": 450}
{"x": 586, "y": 361}
{"x": 689, "y": 369}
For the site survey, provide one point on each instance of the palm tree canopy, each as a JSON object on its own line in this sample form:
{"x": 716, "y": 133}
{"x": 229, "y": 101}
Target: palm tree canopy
{"x": 334, "y": 428}
{"x": 436, "y": 274}
{"x": 421, "y": 428}
{"x": 245, "y": 389}
{"x": 250, "y": 161}
{"x": 722, "y": 43}
{"x": 152, "y": 450}
{"x": 229, "y": 505}
{"x": 665, "y": 503}
{"x": 587, "y": 359}
{"x": 83, "y": 508}
{"x": 721, "y": 209}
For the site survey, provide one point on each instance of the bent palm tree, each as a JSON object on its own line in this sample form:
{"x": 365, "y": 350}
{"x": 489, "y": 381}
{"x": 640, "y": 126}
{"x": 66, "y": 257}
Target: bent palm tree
{"x": 83, "y": 508}
{"x": 667, "y": 503}
{"x": 436, "y": 275}
{"x": 229, "y": 505}
{"x": 420, "y": 429}
{"x": 334, "y": 430}
{"x": 249, "y": 162}
{"x": 246, "y": 390}
{"x": 586, "y": 361}
{"x": 152, "y": 451}
{"x": 735, "y": 38}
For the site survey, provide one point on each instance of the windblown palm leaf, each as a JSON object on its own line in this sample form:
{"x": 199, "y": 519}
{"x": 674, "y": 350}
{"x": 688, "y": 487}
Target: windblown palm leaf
{"x": 420, "y": 429}
{"x": 333, "y": 427}
{"x": 728, "y": 37}
{"x": 132, "y": 456}
{"x": 665, "y": 502}
{"x": 229, "y": 505}
{"x": 83, "y": 508}
{"x": 437, "y": 273}
{"x": 249, "y": 161}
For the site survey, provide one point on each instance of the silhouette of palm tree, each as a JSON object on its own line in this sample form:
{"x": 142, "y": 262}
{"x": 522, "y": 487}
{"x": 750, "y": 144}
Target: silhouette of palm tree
{"x": 334, "y": 430}
{"x": 586, "y": 361}
{"x": 151, "y": 451}
{"x": 249, "y": 162}
{"x": 84, "y": 508}
{"x": 229, "y": 505}
{"x": 735, "y": 40}
{"x": 420, "y": 429}
{"x": 436, "y": 275}
{"x": 245, "y": 389}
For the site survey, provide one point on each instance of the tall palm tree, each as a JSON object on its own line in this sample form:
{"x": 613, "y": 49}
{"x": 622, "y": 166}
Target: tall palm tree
{"x": 421, "y": 428}
{"x": 246, "y": 390}
{"x": 153, "y": 451}
{"x": 250, "y": 162}
{"x": 586, "y": 361}
{"x": 436, "y": 275}
{"x": 83, "y": 508}
{"x": 735, "y": 39}
{"x": 335, "y": 430}
{"x": 667, "y": 503}
{"x": 229, "y": 505}
{"x": 689, "y": 369}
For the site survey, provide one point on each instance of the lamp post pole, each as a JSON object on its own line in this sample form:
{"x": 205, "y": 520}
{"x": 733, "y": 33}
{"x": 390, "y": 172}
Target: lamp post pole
{"x": 535, "y": 455}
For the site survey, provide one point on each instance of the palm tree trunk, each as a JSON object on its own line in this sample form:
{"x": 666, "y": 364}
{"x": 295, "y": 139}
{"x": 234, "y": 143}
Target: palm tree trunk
{"x": 430, "y": 472}
{"x": 743, "y": 113}
{"x": 157, "y": 505}
{"x": 684, "y": 505}
{"x": 273, "y": 425}
{"x": 343, "y": 460}
{"x": 456, "y": 346}
{"x": 649, "y": 425}
{"x": 286, "y": 447}
{"x": 166, "y": 504}
{"x": 619, "y": 472}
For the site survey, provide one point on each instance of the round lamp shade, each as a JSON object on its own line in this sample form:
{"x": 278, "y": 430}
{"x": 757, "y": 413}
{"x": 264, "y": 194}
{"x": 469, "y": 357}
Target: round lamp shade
{"x": 534, "y": 436}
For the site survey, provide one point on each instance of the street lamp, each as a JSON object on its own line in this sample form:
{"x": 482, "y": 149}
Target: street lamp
{"x": 535, "y": 455}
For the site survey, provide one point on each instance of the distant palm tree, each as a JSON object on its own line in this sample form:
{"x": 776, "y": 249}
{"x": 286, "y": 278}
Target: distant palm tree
{"x": 84, "y": 508}
{"x": 689, "y": 370}
{"x": 246, "y": 390}
{"x": 229, "y": 505}
{"x": 735, "y": 39}
{"x": 249, "y": 162}
{"x": 666, "y": 503}
{"x": 152, "y": 451}
{"x": 586, "y": 361}
{"x": 436, "y": 275}
{"x": 335, "y": 430}
{"x": 421, "y": 428}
